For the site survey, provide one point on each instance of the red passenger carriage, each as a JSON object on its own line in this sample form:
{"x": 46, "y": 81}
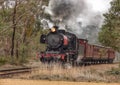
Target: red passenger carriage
{"x": 95, "y": 53}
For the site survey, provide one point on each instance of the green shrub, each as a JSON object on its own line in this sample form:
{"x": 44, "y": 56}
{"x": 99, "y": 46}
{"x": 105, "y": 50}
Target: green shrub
{"x": 13, "y": 60}
{"x": 18, "y": 61}
{"x": 3, "y": 60}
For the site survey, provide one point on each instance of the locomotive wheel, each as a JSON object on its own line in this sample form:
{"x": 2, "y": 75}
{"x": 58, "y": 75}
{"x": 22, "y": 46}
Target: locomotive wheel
{"x": 42, "y": 60}
{"x": 110, "y": 61}
{"x": 68, "y": 62}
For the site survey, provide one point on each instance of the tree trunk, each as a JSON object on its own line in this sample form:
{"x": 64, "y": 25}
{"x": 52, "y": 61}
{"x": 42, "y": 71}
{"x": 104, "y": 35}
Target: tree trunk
{"x": 14, "y": 30}
{"x": 17, "y": 51}
{"x": 23, "y": 41}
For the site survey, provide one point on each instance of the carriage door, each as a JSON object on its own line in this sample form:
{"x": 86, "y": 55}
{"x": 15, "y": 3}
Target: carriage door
{"x": 81, "y": 50}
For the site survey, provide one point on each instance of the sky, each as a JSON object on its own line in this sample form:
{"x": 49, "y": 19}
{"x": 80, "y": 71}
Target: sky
{"x": 100, "y": 5}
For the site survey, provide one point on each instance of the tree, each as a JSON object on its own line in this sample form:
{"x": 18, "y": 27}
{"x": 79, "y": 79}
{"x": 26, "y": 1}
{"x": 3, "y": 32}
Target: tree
{"x": 18, "y": 23}
{"x": 110, "y": 32}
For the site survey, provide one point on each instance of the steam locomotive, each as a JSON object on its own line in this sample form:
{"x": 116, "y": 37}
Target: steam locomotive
{"x": 65, "y": 47}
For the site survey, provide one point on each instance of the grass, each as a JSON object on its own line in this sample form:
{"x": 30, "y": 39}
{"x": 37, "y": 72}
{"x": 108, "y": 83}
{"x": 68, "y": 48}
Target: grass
{"x": 57, "y": 72}
{"x": 52, "y": 72}
{"x": 114, "y": 71}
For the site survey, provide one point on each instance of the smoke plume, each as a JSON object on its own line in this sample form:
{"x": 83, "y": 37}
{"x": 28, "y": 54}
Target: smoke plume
{"x": 65, "y": 9}
{"x": 77, "y": 17}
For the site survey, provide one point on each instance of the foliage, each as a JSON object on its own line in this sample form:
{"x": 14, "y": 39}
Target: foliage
{"x": 14, "y": 60}
{"x": 24, "y": 17}
{"x": 110, "y": 32}
{"x": 2, "y": 61}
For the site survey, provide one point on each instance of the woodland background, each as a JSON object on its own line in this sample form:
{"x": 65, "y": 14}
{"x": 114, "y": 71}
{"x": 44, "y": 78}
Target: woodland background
{"x": 21, "y": 27}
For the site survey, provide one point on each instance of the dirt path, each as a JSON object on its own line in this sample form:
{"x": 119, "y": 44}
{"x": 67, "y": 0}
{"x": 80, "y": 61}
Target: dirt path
{"x": 40, "y": 82}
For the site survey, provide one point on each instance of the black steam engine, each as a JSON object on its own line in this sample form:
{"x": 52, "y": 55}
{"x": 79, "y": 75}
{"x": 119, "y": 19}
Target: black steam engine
{"x": 61, "y": 46}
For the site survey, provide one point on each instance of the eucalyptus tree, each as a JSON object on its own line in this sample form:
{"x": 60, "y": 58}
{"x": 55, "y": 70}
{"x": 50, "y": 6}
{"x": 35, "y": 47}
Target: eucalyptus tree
{"x": 19, "y": 20}
{"x": 110, "y": 33}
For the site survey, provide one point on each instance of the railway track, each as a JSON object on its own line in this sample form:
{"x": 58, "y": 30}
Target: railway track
{"x": 10, "y": 72}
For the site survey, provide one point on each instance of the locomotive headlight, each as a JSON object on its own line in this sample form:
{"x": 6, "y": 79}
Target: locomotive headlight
{"x": 53, "y": 30}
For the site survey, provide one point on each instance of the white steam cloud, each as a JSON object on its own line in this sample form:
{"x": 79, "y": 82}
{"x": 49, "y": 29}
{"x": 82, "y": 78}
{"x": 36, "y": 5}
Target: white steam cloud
{"x": 82, "y": 17}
